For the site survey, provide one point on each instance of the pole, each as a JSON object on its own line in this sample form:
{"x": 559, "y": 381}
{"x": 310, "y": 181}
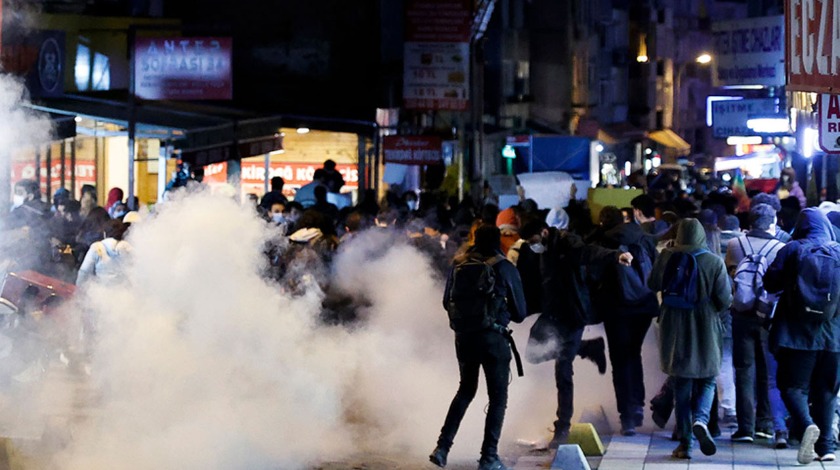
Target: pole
{"x": 267, "y": 173}
{"x": 132, "y": 117}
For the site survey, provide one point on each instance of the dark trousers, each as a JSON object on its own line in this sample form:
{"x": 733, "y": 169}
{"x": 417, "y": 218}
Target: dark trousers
{"x": 625, "y": 336}
{"x": 814, "y": 376}
{"x": 490, "y": 351}
{"x": 752, "y": 396}
{"x": 569, "y": 345}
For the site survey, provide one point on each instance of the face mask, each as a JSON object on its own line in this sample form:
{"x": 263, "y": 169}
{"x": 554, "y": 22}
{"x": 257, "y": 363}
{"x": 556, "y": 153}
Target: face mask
{"x": 412, "y": 205}
{"x": 278, "y": 218}
{"x": 18, "y": 201}
{"x": 119, "y": 215}
{"x": 537, "y": 248}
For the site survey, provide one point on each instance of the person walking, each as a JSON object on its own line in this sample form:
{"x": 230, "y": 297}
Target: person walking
{"x": 695, "y": 293}
{"x": 483, "y": 294}
{"x": 747, "y": 259}
{"x": 805, "y": 333}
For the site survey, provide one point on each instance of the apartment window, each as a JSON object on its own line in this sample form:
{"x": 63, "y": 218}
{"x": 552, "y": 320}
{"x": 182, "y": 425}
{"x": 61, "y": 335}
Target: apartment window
{"x": 660, "y": 119}
{"x": 660, "y": 68}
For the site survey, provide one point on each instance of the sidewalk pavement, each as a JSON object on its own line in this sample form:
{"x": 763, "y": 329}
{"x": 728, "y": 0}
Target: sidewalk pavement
{"x": 652, "y": 451}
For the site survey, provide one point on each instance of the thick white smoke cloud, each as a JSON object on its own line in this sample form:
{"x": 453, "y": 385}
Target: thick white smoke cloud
{"x": 200, "y": 363}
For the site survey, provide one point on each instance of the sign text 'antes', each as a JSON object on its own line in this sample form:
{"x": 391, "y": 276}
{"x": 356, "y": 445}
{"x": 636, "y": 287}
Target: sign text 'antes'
{"x": 813, "y": 45}
{"x": 183, "y": 68}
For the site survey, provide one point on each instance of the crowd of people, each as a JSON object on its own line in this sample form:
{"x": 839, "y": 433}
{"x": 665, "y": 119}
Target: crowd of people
{"x": 744, "y": 293}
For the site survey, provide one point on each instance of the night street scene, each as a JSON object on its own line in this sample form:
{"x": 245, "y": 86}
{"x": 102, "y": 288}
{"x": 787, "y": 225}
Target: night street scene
{"x": 419, "y": 234}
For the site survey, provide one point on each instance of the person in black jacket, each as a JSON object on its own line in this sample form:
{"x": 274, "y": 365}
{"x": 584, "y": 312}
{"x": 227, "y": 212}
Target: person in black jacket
{"x": 808, "y": 352}
{"x": 626, "y": 323}
{"x": 488, "y": 349}
{"x": 566, "y": 266}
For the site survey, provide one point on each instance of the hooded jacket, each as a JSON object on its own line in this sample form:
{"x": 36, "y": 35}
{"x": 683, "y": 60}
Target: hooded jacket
{"x": 608, "y": 299}
{"x": 787, "y": 331}
{"x": 691, "y": 341}
{"x": 567, "y": 268}
{"x": 508, "y": 284}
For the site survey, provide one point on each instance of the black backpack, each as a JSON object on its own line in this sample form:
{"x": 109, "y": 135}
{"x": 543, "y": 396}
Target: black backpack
{"x": 680, "y": 280}
{"x": 816, "y": 292}
{"x": 473, "y": 303}
{"x": 632, "y": 280}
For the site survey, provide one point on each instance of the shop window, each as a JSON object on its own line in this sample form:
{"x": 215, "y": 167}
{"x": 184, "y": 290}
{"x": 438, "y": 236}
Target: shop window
{"x": 101, "y": 78}
{"x": 82, "y": 68}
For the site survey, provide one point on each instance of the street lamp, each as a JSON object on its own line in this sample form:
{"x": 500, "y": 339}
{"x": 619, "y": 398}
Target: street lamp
{"x": 703, "y": 59}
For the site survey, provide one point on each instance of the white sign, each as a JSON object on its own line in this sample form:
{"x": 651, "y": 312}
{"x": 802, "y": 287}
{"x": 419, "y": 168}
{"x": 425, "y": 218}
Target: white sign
{"x": 729, "y": 118}
{"x": 436, "y": 75}
{"x": 750, "y": 51}
{"x": 830, "y": 123}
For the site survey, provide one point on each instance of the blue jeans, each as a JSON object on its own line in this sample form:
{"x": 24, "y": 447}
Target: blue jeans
{"x": 810, "y": 378}
{"x": 693, "y": 403}
{"x": 777, "y": 404}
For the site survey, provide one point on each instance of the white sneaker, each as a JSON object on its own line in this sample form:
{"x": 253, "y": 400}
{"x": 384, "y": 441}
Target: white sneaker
{"x": 830, "y": 457}
{"x": 806, "y": 452}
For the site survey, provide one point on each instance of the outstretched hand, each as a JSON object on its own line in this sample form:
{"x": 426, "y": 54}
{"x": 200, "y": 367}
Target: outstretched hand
{"x": 625, "y": 259}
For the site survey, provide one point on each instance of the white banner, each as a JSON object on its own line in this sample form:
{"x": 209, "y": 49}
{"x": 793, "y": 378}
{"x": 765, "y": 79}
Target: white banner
{"x": 750, "y": 51}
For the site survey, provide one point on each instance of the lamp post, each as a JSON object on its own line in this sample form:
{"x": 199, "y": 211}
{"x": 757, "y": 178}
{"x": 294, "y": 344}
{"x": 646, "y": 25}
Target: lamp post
{"x": 702, "y": 59}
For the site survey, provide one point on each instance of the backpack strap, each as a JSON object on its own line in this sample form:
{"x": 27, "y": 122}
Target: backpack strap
{"x": 743, "y": 248}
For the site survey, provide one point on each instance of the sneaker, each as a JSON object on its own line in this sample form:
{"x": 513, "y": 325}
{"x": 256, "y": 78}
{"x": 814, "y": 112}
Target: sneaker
{"x": 628, "y": 431}
{"x": 593, "y": 350}
{"x": 765, "y": 433}
{"x": 781, "y": 441}
{"x": 704, "y": 438}
{"x": 729, "y": 421}
{"x": 681, "y": 452}
{"x": 742, "y": 436}
{"x": 661, "y": 412}
{"x": 438, "y": 456}
{"x": 806, "y": 452}
{"x": 559, "y": 439}
{"x": 829, "y": 457}
{"x": 492, "y": 463}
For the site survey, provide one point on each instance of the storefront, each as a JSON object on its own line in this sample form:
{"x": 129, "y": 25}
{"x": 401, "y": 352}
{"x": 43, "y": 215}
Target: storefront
{"x": 303, "y": 151}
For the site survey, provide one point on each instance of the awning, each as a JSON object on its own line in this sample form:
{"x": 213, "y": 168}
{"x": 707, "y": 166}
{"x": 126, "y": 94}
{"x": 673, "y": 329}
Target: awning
{"x": 672, "y": 140}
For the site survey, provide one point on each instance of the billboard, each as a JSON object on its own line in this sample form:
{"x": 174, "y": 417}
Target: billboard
{"x": 183, "y": 68}
{"x": 750, "y": 51}
{"x": 40, "y": 57}
{"x": 437, "y": 54}
{"x": 729, "y": 118}
{"x": 813, "y": 45}
{"x": 413, "y": 149}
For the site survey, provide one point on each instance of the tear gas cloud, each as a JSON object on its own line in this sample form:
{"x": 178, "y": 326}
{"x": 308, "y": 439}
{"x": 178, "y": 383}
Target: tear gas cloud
{"x": 198, "y": 362}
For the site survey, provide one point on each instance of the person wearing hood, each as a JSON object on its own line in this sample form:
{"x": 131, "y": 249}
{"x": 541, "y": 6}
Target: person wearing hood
{"x": 626, "y": 323}
{"x": 807, "y": 351}
{"x": 488, "y": 349}
{"x": 691, "y": 339}
{"x": 565, "y": 270}
{"x": 115, "y": 196}
{"x": 508, "y": 223}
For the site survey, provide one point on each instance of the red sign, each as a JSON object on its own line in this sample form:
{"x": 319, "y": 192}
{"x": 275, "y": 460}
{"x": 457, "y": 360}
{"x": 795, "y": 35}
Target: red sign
{"x": 183, "y": 68}
{"x": 85, "y": 174}
{"x": 438, "y": 20}
{"x": 812, "y": 49}
{"x": 413, "y": 149}
{"x": 436, "y": 66}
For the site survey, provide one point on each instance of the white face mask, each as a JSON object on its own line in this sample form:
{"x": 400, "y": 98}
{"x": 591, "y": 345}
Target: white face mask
{"x": 278, "y": 218}
{"x": 18, "y": 200}
{"x": 537, "y": 248}
{"x": 412, "y": 205}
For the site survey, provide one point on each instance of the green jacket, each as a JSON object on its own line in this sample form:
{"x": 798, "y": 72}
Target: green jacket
{"x": 691, "y": 341}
